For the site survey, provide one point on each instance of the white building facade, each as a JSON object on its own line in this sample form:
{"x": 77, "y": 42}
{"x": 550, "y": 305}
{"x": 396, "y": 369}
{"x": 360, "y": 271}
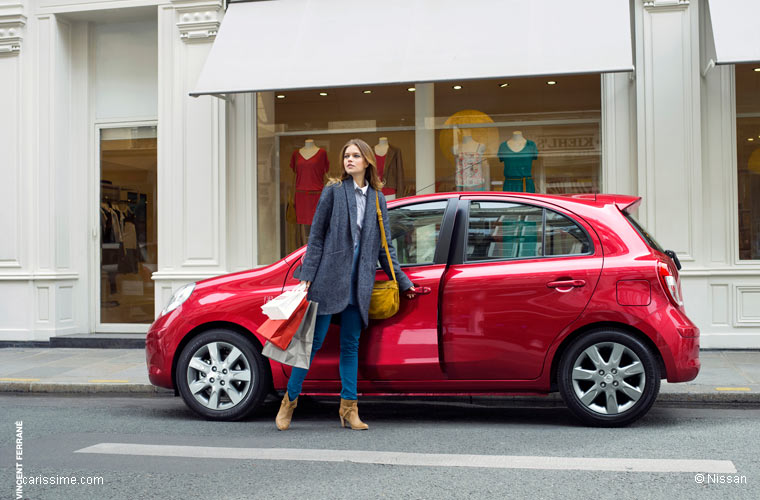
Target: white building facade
{"x": 117, "y": 186}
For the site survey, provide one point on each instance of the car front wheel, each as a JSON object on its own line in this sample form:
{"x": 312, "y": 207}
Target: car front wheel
{"x": 608, "y": 378}
{"x": 221, "y": 375}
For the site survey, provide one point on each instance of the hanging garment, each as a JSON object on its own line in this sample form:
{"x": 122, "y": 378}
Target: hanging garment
{"x": 390, "y": 169}
{"x": 309, "y": 183}
{"x": 518, "y": 167}
{"x": 471, "y": 168}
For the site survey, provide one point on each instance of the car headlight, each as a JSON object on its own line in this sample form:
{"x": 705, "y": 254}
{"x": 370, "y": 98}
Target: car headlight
{"x": 178, "y": 298}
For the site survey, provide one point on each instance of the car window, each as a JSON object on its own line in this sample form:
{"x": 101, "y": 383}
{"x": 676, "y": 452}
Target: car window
{"x": 414, "y": 231}
{"x": 500, "y": 230}
{"x": 562, "y": 236}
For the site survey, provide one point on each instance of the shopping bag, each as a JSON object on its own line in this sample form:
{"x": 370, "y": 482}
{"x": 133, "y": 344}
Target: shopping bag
{"x": 298, "y": 353}
{"x": 281, "y": 331}
{"x": 282, "y": 306}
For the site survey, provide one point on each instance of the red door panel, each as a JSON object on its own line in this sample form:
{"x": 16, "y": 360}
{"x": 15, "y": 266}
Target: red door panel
{"x": 500, "y": 317}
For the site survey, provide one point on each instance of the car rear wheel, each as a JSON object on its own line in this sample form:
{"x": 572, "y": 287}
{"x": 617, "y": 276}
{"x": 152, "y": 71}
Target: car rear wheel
{"x": 221, "y": 375}
{"x": 608, "y": 378}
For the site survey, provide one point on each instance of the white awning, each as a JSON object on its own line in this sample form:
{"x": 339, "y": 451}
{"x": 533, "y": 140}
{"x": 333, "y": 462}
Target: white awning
{"x": 304, "y": 44}
{"x": 736, "y": 30}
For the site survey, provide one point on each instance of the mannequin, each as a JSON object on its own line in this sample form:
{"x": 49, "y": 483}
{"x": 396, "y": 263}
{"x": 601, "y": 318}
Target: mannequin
{"x": 381, "y": 149}
{"x": 390, "y": 168}
{"x": 309, "y": 149}
{"x": 518, "y": 153}
{"x": 310, "y": 164}
{"x": 472, "y": 169}
{"x": 517, "y": 142}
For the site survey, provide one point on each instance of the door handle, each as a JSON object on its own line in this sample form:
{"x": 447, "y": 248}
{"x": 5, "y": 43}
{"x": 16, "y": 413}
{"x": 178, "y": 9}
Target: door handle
{"x": 566, "y": 284}
{"x": 422, "y": 290}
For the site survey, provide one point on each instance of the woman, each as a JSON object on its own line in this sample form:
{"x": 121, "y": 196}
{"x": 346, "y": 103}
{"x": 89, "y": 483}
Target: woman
{"x": 339, "y": 271}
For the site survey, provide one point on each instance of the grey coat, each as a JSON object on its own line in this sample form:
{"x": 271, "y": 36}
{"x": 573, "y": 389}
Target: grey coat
{"x": 329, "y": 253}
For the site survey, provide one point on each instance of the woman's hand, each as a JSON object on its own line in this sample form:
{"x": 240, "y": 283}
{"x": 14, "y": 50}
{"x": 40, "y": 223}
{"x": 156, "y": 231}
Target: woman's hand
{"x": 307, "y": 283}
{"x": 410, "y": 293}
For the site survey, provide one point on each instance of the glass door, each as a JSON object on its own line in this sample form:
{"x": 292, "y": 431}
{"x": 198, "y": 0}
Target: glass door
{"x": 128, "y": 228}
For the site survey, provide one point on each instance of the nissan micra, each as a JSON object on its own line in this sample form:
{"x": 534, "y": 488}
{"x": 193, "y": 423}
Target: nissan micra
{"x": 518, "y": 294}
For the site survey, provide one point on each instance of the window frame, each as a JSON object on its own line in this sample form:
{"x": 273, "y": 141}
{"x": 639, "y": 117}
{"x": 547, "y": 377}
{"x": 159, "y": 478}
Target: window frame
{"x": 460, "y": 253}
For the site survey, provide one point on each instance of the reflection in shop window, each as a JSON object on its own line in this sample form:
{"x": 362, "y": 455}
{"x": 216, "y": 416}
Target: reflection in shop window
{"x": 748, "y": 158}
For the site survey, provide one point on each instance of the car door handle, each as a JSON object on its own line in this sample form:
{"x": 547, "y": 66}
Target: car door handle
{"x": 422, "y": 290}
{"x": 566, "y": 283}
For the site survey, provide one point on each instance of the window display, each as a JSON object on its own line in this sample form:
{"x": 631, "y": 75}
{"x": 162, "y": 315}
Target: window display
{"x": 748, "y": 158}
{"x": 521, "y": 135}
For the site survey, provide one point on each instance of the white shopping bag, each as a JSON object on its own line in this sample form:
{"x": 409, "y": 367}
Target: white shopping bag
{"x": 282, "y": 306}
{"x": 298, "y": 353}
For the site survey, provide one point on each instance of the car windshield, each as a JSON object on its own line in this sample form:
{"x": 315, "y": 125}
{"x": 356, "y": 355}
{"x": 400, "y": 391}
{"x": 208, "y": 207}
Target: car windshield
{"x": 643, "y": 232}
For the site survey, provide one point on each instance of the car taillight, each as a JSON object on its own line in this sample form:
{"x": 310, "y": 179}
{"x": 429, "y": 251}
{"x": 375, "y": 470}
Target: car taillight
{"x": 670, "y": 284}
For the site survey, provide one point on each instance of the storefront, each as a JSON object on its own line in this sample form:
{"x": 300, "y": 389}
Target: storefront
{"x": 660, "y": 100}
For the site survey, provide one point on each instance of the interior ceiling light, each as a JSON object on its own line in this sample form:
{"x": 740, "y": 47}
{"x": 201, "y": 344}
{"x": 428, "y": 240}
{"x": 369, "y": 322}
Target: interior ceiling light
{"x": 411, "y": 89}
{"x": 502, "y": 85}
{"x": 551, "y": 82}
{"x": 323, "y": 94}
{"x": 457, "y": 87}
{"x": 280, "y": 96}
{"x": 751, "y": 139}
{"x": 367, "y": 92}
{"x": 757, "y": 69}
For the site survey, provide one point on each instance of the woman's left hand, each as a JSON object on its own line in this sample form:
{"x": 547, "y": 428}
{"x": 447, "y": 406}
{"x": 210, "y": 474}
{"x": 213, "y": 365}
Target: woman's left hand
{"x": 410, "y": 293}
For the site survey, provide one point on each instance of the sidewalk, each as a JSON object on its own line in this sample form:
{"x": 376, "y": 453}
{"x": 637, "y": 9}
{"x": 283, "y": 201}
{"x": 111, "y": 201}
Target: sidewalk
{"x": 726, "y": 376}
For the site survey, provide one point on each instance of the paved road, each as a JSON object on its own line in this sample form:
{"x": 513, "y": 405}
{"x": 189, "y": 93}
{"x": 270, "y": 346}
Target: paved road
{"x": 414, "y": 449}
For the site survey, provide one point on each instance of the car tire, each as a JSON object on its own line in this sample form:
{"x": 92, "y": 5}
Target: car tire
{"x": 221, "y": 375}
{"x": 608, "y": 378}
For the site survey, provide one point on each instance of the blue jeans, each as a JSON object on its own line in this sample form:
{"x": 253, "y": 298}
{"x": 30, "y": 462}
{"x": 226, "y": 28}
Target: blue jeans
{"x": 350, "y": 328}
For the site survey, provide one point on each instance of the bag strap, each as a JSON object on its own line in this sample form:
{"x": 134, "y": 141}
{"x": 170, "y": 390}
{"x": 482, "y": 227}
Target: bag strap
{"x": 382, "y": 235}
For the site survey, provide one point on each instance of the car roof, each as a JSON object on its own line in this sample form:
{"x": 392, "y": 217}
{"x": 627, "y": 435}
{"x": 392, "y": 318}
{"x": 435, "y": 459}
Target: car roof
{"x": 625, "y": 203}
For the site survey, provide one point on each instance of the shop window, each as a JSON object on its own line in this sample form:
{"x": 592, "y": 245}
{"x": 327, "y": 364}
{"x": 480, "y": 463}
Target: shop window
{"x": 525, "y": 135}
{"x": 748, "y": 158}
{"x": 128, "y": 224}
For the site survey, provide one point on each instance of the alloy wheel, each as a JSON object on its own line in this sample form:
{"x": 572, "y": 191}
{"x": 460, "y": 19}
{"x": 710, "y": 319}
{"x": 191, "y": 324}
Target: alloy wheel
{"x": 608, "y": 378}
{"x": 219, "y": 375}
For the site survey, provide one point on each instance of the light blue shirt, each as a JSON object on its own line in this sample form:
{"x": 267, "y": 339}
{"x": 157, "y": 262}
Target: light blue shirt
{"x": 361, "y": 207}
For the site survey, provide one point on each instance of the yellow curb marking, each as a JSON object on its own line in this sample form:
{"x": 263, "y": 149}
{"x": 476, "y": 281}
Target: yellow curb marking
{"x": 733, "y": 389}
{"x": 104, "y": 381}
{"x": 19, "y": 380}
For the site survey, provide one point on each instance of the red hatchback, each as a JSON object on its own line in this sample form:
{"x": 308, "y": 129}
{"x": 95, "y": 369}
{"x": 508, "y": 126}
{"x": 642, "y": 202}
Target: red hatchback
{"x": 520, "y": 294}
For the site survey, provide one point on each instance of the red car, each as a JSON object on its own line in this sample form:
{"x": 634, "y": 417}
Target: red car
{"x": 520, "y": 294}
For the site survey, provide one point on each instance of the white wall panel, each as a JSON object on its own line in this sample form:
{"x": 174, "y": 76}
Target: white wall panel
{"x": 125, "y": 69}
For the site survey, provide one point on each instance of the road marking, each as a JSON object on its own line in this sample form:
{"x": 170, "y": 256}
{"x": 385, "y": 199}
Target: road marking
{"x": 105, "y": 381}
{"x": 733, "y": 389}
{"x": 19, "y": 379}
{"x": 417, "y": 459}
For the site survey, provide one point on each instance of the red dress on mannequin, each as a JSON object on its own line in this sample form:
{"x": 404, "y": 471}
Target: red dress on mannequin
{"x": 309, "y": 183}
{"x": 380, "y": 170}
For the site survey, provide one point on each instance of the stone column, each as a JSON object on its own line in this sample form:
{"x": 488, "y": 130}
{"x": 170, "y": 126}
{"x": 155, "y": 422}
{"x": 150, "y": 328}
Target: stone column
{"x": 191, "y": 151}
{"x": 668, "y": 123}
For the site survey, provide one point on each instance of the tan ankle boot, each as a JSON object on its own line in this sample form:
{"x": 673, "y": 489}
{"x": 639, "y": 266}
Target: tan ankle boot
{"x": 350, "y": 411}
{"x": 286, "y": 412}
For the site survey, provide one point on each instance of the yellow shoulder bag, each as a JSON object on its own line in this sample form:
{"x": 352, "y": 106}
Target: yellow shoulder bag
{"x": 385, "y": 296}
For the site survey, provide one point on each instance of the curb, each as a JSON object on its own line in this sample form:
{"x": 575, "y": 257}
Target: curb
{"x": 704, "y": 397}
{"x": 59, "y": 388}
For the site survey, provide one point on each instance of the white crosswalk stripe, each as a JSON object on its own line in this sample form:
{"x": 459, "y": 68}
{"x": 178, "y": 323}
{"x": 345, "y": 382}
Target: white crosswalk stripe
{"x": 417, "y": 459}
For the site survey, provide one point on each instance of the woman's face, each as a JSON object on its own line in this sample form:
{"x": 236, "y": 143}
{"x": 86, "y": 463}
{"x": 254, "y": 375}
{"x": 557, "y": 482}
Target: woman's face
{"x": 353, "y": 161}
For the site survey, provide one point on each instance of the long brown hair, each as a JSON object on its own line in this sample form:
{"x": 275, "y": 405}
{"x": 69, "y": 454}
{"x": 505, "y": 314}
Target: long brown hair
{"x": 370, "y": 175}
